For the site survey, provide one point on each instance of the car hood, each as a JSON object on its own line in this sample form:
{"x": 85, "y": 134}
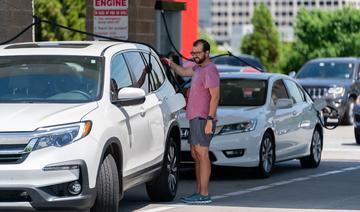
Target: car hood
{"x": 229, "y": 115}
{"x": 324, "y": 82}
{"x": 29, "y": 117}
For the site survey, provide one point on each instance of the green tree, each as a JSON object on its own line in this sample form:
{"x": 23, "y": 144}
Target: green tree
{"x": 264, "y": 42}
{"x": 214, "y": 49}
{"x": 71, "y": 13}
{"x": 324, "y": 34}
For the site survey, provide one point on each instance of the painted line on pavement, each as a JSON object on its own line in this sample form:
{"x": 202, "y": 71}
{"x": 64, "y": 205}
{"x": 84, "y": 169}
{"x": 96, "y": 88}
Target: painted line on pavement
{"x": 340, "y": 150}
{"x": 259, "y": 188}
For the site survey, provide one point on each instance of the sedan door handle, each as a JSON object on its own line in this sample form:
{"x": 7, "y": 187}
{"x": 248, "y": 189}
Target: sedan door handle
{"x": 294, "y": 113}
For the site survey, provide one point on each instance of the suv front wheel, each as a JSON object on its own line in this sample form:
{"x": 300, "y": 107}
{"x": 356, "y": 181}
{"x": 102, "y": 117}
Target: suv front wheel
{"x": 349, "y": 114}
{"x": 164, "y": 187}
{"x": 107, "y": 186}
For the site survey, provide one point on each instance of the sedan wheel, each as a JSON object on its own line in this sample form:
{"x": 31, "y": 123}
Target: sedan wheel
{"x": 313, "y": 160}
{"x": 267, "y": 156}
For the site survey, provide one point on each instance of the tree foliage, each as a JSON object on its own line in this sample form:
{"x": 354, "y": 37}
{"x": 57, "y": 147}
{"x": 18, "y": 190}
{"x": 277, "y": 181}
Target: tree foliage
{"x": 71, "y": 13}
{"x": 264, "y": 42}
{"x": 324, "y": 34}
{"x": 214, "y": 49}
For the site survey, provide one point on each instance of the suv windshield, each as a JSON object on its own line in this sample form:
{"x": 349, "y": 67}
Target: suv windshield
{"x": 242, "y": 92}
{"x": 50, "y": 78}
{"x": 341, "y": 70}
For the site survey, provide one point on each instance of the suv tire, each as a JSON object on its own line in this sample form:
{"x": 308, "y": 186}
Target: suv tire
{"x": 164, "y": 187}
{"x": 313, "y": 160}
{"x": 349, "y": 114}
{"x": 107, "y": 185}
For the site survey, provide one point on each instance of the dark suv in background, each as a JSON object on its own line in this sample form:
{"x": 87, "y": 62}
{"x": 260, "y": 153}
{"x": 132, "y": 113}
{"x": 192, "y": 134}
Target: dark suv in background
{"x": 337, "y": 80}
{"x": 245, "y": 60}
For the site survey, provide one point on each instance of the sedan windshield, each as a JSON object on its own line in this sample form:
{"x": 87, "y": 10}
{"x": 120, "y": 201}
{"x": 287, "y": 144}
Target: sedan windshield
{"x": 242, "y": 92}
{"x": 50, "y": 78}
{"x": 341, "y": 70}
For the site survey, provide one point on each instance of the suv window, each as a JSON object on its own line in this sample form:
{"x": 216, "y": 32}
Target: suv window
{"x": 278, "y": 91}
{"x": 137, "y": 66}
{"x": 358, "y": 73}
{"x": 157, "y": 76}
{"x": 120, "y": 75}
{"x": 233, "y": 61}
{"x": 294, "y": 91}
{"x": 339, "y": 69}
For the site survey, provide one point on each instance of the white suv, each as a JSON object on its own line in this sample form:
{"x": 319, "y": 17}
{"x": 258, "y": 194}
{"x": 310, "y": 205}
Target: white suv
{"x": 81, "y": 122}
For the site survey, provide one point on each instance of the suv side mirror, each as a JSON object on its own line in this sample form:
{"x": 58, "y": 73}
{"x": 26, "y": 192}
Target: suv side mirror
{"x": 130, "y": 96}
{"x": 292, "y": 74}
{"x": 284, "y": 103}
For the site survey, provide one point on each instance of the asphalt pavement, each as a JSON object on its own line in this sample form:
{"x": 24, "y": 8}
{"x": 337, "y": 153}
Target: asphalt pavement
{"x": 332, "y": 187}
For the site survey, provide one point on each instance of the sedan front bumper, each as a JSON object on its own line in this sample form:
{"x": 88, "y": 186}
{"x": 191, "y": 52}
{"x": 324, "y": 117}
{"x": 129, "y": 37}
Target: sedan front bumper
{"x": 246, "y": 145}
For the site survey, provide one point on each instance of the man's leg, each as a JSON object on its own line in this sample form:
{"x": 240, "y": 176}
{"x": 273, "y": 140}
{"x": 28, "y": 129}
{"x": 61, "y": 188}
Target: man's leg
{"x": 202, "y": 153}
{"x": 197, "y": 167}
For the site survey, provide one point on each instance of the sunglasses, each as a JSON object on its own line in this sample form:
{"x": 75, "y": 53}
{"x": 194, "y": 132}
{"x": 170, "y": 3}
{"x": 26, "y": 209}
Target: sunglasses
{"x": 195, "y": 53}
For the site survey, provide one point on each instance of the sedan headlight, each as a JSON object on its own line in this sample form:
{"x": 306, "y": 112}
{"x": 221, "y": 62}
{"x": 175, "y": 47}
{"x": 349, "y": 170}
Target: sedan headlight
{"x": 241, "y": 127}
{"x": 336, "y": 91}
{"x": 59, "y": 136}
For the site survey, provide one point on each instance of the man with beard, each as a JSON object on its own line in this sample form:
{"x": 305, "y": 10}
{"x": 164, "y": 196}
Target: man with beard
{"x": 201, "y": 112}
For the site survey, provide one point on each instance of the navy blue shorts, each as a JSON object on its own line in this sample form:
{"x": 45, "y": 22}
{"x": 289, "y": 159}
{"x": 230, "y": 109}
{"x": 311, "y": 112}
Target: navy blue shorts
{"x": 197, "y": 132}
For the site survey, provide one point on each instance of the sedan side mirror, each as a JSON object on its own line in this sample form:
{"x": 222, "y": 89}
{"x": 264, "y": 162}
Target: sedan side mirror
{"x": 130, "y": 96}
{"x": 284, "y": 103}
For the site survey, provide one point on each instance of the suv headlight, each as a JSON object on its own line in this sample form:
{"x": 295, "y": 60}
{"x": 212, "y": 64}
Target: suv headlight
{"x": 241, "y": 127}
{"x": 336, "y": 91}
{"x": 59, "y": 136}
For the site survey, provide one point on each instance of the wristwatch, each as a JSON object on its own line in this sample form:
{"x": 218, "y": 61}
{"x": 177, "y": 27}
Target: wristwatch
{"x": 210, "y": 118}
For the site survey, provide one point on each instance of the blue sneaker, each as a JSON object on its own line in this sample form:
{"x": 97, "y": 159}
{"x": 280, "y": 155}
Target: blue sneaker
{"x": 183, "y": 199}
{"x": 198, "y": 199}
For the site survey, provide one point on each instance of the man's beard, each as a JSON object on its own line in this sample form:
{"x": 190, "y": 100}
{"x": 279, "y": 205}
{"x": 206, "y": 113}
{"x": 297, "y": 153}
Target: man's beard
{"x": 200, "y": 60}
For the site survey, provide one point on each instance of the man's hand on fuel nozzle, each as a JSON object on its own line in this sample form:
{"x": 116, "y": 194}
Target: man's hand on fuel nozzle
{"x": 165, "y": 61}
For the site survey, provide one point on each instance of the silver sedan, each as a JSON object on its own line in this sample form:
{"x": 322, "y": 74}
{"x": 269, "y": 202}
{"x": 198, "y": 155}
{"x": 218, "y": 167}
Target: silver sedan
{"x": 262, "y": 119}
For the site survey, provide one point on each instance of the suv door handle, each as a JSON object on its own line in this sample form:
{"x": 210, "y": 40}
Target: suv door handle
{"x": 142, "y": 112}
{"x": 294, "y": 113}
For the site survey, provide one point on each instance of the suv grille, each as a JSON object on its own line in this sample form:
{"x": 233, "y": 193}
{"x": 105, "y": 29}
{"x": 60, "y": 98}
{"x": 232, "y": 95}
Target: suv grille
{"x": 14, "y": 147}
{"x": 12, "y": 153}
{"x": 317, "y": 93}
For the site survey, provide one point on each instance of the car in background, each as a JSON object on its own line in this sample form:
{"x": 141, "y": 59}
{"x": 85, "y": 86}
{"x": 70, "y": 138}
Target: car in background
{"x": 228, "y": 68}
{"x": 262, "y": 119}
{"x": 245, "y": 60}
{"x": 357, "y": 120}
{"x": 337, "y": 80}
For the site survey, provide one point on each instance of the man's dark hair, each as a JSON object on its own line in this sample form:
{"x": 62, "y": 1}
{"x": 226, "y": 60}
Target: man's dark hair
{"x": 205, "y": 44}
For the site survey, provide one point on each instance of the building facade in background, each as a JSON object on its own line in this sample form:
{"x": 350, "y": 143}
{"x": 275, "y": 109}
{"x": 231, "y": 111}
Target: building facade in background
{"x": 231, "y": 17}
{"x": 15, "y": 16}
